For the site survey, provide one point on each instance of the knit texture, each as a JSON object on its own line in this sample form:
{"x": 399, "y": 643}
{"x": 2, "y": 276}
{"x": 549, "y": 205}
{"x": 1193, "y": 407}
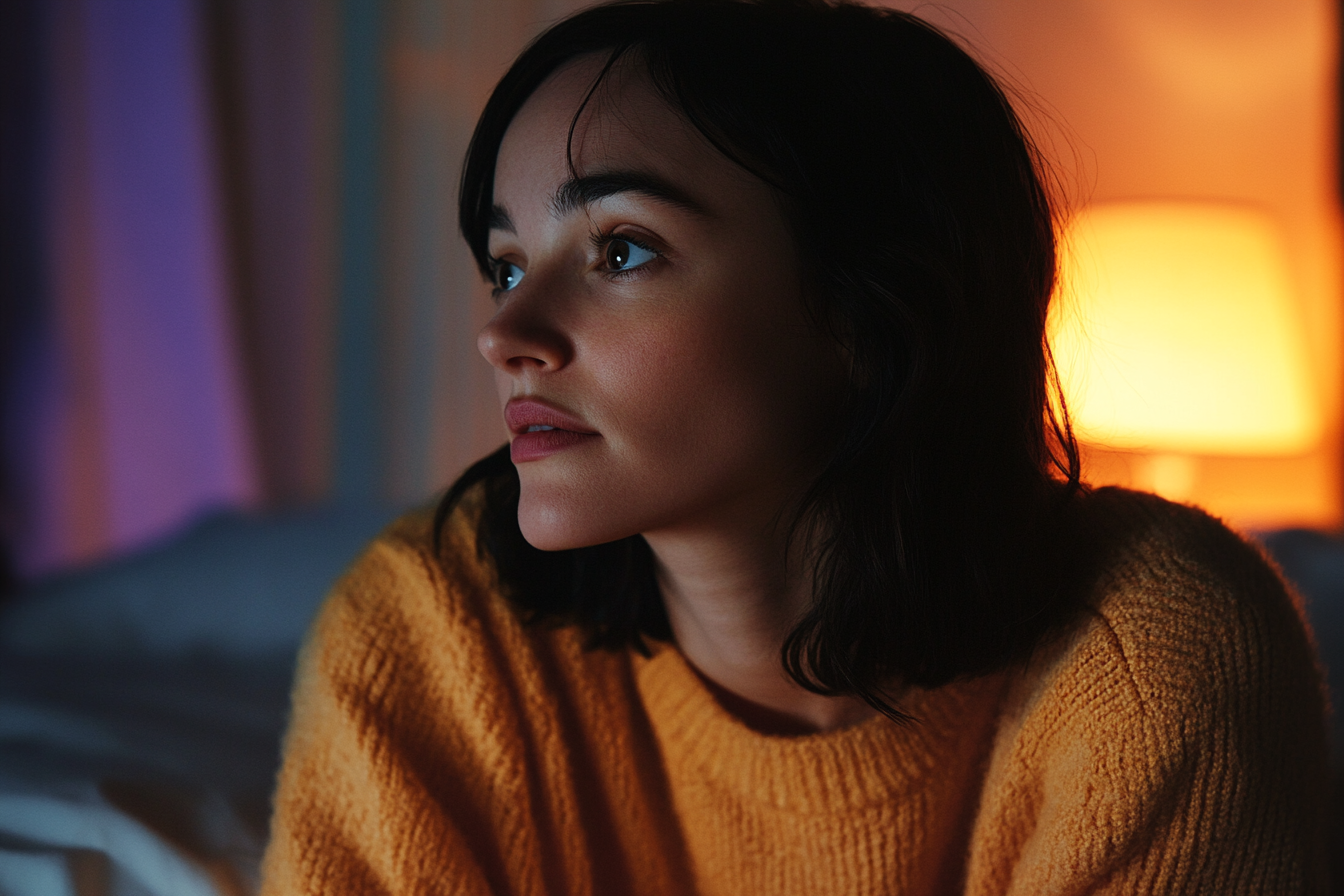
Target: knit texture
{"x": 1171, "y": 740}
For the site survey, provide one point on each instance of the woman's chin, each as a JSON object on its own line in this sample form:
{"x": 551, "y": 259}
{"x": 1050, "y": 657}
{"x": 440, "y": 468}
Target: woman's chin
{"x": 549, "y": 528}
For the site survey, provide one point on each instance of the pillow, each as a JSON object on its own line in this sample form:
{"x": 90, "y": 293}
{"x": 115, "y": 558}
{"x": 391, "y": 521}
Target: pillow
{"x": 234, "y": 585}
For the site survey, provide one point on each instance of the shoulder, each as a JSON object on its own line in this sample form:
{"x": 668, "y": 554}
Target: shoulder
{"x": 409, "y": 590}
{"x": 1181, "y": 616}
{"x": 1194, "y": 612}
{"x": 426, "y": 571}
{"x": 420, "y": 620}
{"x": 1179, "y": 720}
{"x": 430, "y": 725}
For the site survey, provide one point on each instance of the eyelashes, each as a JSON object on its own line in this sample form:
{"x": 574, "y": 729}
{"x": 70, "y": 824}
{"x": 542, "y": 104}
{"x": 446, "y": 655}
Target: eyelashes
{"x": 620, "y": 256}
{"x": 621, "y": 253}
{"x": 504, "y": 275}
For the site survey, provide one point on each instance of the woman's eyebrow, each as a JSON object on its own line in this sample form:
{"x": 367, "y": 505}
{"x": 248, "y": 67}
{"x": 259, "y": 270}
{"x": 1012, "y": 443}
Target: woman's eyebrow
{"x": 578, "y": 192}
{"x": 499, "y": 220}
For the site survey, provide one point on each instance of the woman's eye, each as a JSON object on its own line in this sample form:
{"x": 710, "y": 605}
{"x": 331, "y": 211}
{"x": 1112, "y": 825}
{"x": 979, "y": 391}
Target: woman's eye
{"x": 507, "y": 275}
{"x": 623, "y": 255}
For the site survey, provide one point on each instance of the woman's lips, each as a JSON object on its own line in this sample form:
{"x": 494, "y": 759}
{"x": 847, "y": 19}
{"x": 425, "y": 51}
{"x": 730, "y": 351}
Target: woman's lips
{"x": 541, "y": 430}
{"x": 543, "y": 443}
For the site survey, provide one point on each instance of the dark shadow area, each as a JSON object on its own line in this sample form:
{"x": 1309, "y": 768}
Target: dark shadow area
{"x": 22, "y": 282}
{"x": 1314, "y": 562}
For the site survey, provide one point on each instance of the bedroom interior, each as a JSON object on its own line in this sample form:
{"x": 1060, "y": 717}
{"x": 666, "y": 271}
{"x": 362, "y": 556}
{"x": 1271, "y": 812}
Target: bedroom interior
{"x": 238, "y": 337}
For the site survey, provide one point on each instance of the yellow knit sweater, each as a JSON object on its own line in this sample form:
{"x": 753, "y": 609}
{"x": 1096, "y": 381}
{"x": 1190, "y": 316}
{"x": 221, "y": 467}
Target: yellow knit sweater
{"x": 1171, "y": 741}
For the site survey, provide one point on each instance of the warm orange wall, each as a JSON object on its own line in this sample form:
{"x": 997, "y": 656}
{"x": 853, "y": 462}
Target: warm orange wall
{"x": 1217, "y": 99}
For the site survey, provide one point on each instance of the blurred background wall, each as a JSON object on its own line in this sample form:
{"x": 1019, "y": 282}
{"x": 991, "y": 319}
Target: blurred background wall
{"x": 1204, "y": 99}
{"x": 232, "y": 275}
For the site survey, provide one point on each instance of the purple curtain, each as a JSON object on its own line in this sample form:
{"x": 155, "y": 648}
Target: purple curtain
{"x": 140, "y": 422}
{"x": 202, "y": 248}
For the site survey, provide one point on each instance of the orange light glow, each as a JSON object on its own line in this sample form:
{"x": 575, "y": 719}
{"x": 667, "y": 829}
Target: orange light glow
{"x": 1176, "y": 331}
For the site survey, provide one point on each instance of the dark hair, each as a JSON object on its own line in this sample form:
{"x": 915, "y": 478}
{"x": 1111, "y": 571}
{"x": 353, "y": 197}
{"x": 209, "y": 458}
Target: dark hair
{"x": 927, "y": 237}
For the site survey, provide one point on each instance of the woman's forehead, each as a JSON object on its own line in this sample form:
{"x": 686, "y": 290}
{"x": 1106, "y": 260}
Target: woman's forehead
{"x": 624, "y": 124}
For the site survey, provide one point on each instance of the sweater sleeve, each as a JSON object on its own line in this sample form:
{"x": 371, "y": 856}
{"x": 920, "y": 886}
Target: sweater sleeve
{"x": 1176, "y": 744}
{"x": 439, "y": 745}
{"x": 359, "y": 796}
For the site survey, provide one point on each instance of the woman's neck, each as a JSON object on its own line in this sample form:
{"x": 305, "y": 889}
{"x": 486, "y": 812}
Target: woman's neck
{"x": 731, "y": 599}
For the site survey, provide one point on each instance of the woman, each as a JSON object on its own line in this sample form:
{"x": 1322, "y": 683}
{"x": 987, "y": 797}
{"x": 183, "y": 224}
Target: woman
{"x": 786, "y": 582}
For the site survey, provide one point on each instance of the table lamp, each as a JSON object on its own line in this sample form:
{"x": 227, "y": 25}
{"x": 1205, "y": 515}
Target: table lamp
{"x": 1176, "y": 334}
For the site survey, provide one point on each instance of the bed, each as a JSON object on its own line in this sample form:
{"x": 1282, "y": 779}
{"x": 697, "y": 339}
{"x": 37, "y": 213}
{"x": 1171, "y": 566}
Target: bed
{"x": 142, "y": 702}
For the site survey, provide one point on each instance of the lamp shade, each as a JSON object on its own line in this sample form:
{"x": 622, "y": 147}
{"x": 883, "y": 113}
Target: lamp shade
{"x": 1175, "y": 330}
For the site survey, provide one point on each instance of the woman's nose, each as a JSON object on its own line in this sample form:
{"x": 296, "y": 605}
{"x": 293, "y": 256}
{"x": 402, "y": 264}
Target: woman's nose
{"x": 522, "y": 336}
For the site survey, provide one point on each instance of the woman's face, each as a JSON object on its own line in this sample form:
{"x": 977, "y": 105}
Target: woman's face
{"x": 649, "y": 311}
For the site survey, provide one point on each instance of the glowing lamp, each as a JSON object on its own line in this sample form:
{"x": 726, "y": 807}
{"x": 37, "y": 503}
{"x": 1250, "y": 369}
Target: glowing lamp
{"x": 1176, "y": 333}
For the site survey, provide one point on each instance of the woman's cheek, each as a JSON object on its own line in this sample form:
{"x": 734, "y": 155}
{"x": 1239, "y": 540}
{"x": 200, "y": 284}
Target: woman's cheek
{"x": 632, "y": 378}
{"x": 663, "y": 383}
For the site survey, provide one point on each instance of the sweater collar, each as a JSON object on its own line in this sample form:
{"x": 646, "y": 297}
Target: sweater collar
{"x": 843, "y": 770}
